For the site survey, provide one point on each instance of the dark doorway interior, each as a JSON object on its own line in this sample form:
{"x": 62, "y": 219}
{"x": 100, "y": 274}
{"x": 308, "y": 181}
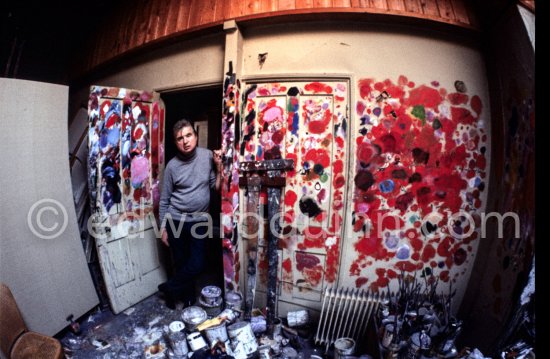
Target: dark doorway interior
{"x": 204, "y": 108}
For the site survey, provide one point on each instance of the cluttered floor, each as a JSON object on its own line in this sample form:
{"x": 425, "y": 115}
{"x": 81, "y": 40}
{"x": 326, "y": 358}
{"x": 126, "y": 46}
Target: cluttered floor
{"x": 145, "y": 330}
{"x": 126, "y": 335}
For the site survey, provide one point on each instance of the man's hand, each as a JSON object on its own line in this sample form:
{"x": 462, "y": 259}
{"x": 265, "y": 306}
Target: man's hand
{"x": 218, "y": 159}
{"x": 164, "y": 238}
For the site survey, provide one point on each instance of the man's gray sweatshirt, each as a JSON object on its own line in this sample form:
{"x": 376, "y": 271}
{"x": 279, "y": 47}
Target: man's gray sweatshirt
{"x": 186, "y": 186}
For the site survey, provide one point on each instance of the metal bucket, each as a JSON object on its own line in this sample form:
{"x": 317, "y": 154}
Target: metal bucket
{"x": 241, "y": 332}
{"x": 211, "y": 295}
{"x": 344, "y": 347}
{"x": 217, "y": 333}
{"x": 233, "y": 300}
{"x": 177, "y": 339}
{"x": 193, "y": 316}
{"x": 211, "y": 309}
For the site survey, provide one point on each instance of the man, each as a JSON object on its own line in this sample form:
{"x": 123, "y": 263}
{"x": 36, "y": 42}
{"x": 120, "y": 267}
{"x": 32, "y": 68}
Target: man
{"x": 184, "y": 201}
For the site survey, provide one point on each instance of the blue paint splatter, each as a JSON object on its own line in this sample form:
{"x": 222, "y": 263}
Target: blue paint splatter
{"x": 386, "y": 186}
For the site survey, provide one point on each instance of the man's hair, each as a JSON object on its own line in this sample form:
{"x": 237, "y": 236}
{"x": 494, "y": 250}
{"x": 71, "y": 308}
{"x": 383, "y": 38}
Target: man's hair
{"x": 181, "y": 124}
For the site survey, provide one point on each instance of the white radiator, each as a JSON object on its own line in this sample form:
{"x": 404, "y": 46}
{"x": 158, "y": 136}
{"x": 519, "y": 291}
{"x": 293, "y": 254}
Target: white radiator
{"x": 346, "y": 313}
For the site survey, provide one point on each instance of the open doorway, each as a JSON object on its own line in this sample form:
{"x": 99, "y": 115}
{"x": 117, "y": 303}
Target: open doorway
{"x": 204, "y": 108}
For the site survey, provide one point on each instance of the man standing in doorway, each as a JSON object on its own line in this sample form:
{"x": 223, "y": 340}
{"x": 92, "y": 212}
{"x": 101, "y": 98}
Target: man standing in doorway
{"x": 184, "y": 202}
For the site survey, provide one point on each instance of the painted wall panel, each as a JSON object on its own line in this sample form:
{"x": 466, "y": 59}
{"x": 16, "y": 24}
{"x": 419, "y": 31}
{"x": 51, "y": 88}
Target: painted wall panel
{"x": 41, "y": 254}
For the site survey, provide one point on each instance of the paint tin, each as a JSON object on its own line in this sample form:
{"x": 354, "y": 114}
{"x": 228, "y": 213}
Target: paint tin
{"x": 387, "y": 335}
{"x": 211, "y": 310}
{"x": 229, "y": 315}
{"x": 343, "y": 347}
{"x": 193, "y": 316}
{"x": 277, "y": 327}
{"x": 196, "y": 341}
{"x": 217, "y": 333}
{"x": 233, "y": 300}
{"x": 211, "y": 295}
{"x": 297, "y": 318}
{"x": 241, "y": 332}
{"x": 264, "y": 352}
{"x": 177, "y": 339}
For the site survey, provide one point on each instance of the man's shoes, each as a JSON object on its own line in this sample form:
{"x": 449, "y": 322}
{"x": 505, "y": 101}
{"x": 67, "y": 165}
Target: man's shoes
{"x": 169, "y": 298}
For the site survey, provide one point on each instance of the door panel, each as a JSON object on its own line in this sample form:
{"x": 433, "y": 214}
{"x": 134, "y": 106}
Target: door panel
{"x": 306, "y": 122}
{"x": 125, "y": 165}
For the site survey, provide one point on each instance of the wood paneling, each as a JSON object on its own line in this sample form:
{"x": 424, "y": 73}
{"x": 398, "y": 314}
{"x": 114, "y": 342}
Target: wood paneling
{"x": 139, "y": 22}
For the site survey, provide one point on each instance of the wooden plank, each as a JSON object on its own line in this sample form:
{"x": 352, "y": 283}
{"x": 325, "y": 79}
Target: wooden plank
{"x": 396, "y": 5}
{"x": 171, "y": 20}
{"x": 460, "y": 11}
{"x": 304, "y": 4}
{"x": 322, "y": 3}
{"x": 379, "y": 4}
{"x": 286, "y": 5}
{"x": 413, "y": 6}
{"x": 268, "y": 6}
{"x": 445, "y": 9}
{"x": 183, "y": 15}
{"x": 153, "y": 22}
{"x": 429, "y": 7}
{"x": 341, "y": 3}
{"x": 143, "y": 22}
{"x": 220, "y": 10}
{"x": 362, "y": 4}
{"x": 201, "y": 12}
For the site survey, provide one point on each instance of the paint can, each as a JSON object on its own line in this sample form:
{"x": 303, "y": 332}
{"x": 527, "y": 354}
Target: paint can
{"x": 193, "y": 316}
{"x": 211, "y": 309}
{"x": 196, "y": 341}
{"x": 264, "y": 351}
{"x": 297, "y": 318}
{"x": 344, "y": 347}
{"x": 234, "y": 300}
{"x": 241, "y": 332}
{"x": 229, "y": 315}
{"x": 387, "y": 335}
{"x": 217, "y": 333}
{"x": 177, "y": 339}
{"x": 211, "y": 295}
{"x": 277, "y": 327}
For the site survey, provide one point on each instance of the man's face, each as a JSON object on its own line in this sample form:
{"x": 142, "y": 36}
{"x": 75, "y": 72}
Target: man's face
{"x": 186, "y": 140}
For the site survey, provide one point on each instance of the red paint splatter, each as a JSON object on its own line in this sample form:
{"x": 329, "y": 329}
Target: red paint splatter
{"x": 319, "y": 126}
{"x": 372, "y": 246}
{"x": 360, "y": 107}
{"x": 462, "y": 115}
{"x": 317, "y": 87}
{"x": 426, "y": 96}
{"x": 457, "y": 98}
{"x": 408, "y": 266}
{"x": 476, "y": 104}
{"x": 318, "y": 156}
{"x": 290, "y": 198}
{"x": 361, "y": 281}
{"x": 428, "y": 253}
{"x": 365, "y": 87}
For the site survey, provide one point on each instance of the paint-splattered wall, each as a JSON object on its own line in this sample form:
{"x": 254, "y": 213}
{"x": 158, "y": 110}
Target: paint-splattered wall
{"x": 419, "y": 147}
{"x": 419, "y": 181}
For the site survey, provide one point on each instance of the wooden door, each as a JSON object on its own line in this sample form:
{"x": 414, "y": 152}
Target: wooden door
{"x": 125, "y": 162}
{"x": 306, "y": 122}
